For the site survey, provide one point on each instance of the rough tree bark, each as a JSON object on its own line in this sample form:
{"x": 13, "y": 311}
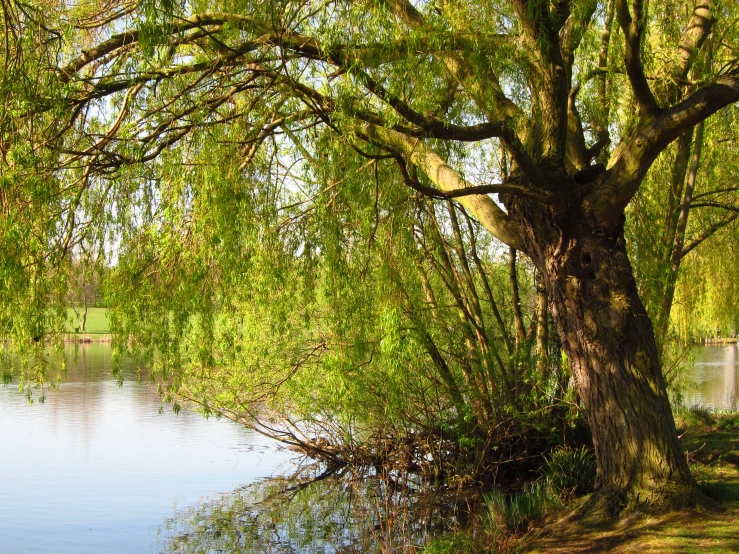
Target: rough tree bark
{"x": 609, "y": 339}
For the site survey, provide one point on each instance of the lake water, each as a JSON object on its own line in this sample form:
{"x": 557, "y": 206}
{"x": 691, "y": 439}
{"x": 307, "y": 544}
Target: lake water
{"x": 103, "y": 468}
{"x": 98, "y": 467}
{"x": 713, "y": 381}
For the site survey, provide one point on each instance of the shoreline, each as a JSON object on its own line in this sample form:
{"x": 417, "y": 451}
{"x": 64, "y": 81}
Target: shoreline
{"x": 87, "y": 338}
{"x": 718, "y": 340}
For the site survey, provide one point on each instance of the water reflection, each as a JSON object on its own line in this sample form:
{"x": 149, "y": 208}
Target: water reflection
{"x": 316, "y": 514}
{"x": 713, "y": 382}
{"x": 97, "y": 467}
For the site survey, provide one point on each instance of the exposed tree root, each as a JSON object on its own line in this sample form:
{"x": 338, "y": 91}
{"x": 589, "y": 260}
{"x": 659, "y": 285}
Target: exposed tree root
{"x": 606, "y": 505}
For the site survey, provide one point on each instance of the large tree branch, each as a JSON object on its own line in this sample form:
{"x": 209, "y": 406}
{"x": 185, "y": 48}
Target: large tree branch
{"x": 305, "y": 46}
{"x": 574, "y": 28}
{"x": 632, "y": 29}
{"x": 423, "y": 127}
{"x": 433, "y": 127}
{"x": 682, "y": 223}
{"x": 577, "y": 155}
{"x": 502, "y": 108}
{"x": 549, "y": 79}
{"x": 700, "y": 105}
{"x": 629, "y": 163}
{"x": 340, "y": 55}
{"x": 538, "y": 25}
{"x": 482, "y": 208}
{"x": 708, "y": 233}
{"x": 698, "y": 29}
{"x": 692, "y": 40}
{"x": 431, "y": 192}
{"x": 605, "y": 44}
{"x": 509, "y": 111}
{"x": 406, "y": 12}
{"x": 129, "y": 37}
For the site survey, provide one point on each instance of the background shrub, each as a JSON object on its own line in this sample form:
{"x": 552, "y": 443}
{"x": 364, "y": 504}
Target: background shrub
{"x": 570, "y": 471}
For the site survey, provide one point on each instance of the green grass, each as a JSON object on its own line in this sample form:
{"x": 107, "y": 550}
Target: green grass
{"x": 711, "y": 442}
{"x": 678, "y": 532}
{"x": 700, "y": 420}
{"x": 515, "y": 512}
{"x": 453, "y": 544}
{"x": 97, "y": 321}
{"x": 570, "y": 472}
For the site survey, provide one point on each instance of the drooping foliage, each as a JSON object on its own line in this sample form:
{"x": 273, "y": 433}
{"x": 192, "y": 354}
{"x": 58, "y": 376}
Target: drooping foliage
{"x": 283, "y": 195}
{"x": 682, "y": 228}
{"x": 364, "y": 316}
{"x": 273, "y": 266}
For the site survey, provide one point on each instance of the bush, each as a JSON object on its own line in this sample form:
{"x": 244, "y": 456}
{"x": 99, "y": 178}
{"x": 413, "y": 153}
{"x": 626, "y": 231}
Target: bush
{"x": 451, "y": 544}
{"x": 570, "y": 471}
{"x": 729, "y": 422}
{"x": 695, "y": 416}
{"x": 516, "y": 511}
{"x": 701, "y": 418}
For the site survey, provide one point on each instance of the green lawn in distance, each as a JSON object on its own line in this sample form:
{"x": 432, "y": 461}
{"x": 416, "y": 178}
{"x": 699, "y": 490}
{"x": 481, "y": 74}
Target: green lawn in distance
{"x": 97, "y": 321}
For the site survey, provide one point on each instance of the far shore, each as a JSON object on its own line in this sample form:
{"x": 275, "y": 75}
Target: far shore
{"x": 84, "y": 338}
{"x": 718, "y": 340}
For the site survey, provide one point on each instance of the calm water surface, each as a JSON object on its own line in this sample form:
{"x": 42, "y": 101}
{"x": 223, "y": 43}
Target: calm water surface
{"x": 98, "y": 467}
{"x": 713, "y": 381}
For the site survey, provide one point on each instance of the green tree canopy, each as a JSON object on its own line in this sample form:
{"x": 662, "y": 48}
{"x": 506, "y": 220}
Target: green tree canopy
{"x": 225, "y": 154}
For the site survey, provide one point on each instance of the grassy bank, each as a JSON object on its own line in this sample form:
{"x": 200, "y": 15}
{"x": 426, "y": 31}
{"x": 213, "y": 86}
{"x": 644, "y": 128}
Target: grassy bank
{"x": 537, "y": 520}
{"x": 97, "y": 325}
{"x": 711, "y": 443}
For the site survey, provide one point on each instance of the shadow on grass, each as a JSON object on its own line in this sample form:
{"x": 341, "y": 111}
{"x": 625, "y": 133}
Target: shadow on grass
{"x": 681, "y": 532}
{"x": 714, "y": 457}
{"x": 722, "y": 491}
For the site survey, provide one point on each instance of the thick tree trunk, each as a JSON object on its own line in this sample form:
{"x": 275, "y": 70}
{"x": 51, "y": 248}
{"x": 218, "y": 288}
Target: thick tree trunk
{"x": 609, "y": 339}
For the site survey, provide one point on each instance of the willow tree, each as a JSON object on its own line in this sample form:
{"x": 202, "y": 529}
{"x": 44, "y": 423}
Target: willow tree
{"x": 538, "y": 89}
{"x": 688, "y": 198}
{"x": 688, "y": 201}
